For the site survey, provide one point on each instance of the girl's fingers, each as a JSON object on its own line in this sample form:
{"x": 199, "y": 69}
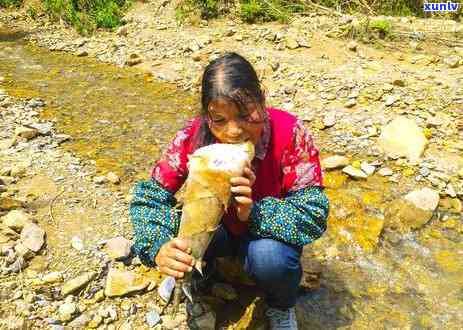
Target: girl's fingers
{"x": 171, "y": 272}
{"x": 240, "y": 181}
{"x": 180, "y": 256}
{"x": 242, "y": 190}
{"x": 250, "y": 175}
{"x": 179, "y": 244}
{"x": 178, "y": 266}
{"x": 243, "y": 200}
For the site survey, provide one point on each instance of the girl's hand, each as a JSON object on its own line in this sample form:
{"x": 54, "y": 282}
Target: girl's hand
{"x": 173, "y": 258}
{"x": 242, "y": 191}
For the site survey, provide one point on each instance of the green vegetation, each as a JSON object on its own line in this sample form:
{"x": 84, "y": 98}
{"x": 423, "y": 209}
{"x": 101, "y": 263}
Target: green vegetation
{"x": 10, "y": 3}
{"x": 87, "y": 15}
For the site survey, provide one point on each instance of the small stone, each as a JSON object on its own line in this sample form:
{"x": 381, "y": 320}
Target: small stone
{"x": 42, "y": 128}
{"x": 16, "y": 220}
{"x": 450, "y": 190}
{"x": 119, "y": 283}
{"x": 166, "y": 287}
{"x": 33, "y": 237}
{"x": 133, "y": 60}
{"x": 100, "y": 179}
{"x": 23, "y": 251}
{"x": 367, "y": 168}
{"x": 81, "y": 53}
{"x": 354, "y": 172}
{"x": 80, "y": 322}
{"x": 122, "y": 31}
{"x": 385, "y": 171}
{"x": 66, "y": 311}
{"x": 426, "y": 199}
{"x": 334, "y": 162}
{"x": 52, "y": 277}
{"x": 350, "y": 103}
{"x": 352, "y": 46}
{"x": 152, "y": 318}
{"x": 26, "y": 132}
{"x": 291, "y": 43}
{"x": 329, "y": 120}
{"x": 224, "y": 291}
{"x": 113, "y": 178}
{"x": 77, "y": 283}
{"x": 391, "y": 99}
{"x": 452, "y": 61}
{"x": 118, "y": 247}
{"x": 77, "y": 243}
{"x": 460, "y": 173}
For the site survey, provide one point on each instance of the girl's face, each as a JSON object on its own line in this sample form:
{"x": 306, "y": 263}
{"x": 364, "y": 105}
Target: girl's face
{"x": 229, "y": 125}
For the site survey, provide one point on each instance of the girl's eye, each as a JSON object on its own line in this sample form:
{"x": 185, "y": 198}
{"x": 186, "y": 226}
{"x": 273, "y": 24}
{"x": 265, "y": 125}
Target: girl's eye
{"x": 218, "y": 120}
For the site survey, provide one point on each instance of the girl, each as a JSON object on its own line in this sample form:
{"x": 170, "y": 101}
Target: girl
{"x": 279, "y": 204}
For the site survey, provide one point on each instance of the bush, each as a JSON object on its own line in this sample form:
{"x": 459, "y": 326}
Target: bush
{"x": 87, "y": 15}
{"x": 10, "y": 3}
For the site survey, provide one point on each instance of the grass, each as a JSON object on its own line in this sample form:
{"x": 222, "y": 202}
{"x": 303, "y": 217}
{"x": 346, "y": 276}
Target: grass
{"x": 10, "y": 3}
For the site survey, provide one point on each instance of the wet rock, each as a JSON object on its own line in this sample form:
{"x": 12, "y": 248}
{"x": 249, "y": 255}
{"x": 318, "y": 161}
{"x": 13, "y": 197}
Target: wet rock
{"x": 403, "y": 216}
{"x": 113, "y": 178}
{"x": 118, "y": 247}
{"x": 119, "y": 283}
{"x": 152, "y": 318}
{"x": 224, "y": 291}
{"x": 33, "y": 237}
{"x": 402, "y": 138}
{"x": 334, "y": 162}
{"x": 354, "y": 172}
{"x": 426, "y": 199}
{"x": 133, "y": 60}
{"x": 16, "y": 220}
{"x": 81, "y": 53}
{"x": 352, "y": 46}
{"x": 452, "y": 61}
{"x": 77, "y": 283}
{"x": 205, "y": 321}
{"x": 66, "y": 311}
{"x": 26, "y": 132}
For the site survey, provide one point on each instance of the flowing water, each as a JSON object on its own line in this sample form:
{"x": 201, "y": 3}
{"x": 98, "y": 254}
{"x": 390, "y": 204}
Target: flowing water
{"x": 364, "y": 273}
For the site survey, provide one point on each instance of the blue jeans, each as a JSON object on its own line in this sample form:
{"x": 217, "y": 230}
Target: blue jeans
{"x": 273, "y": 265}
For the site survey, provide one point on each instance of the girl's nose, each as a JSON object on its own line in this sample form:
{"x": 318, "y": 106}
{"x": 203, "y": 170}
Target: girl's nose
{"x": 234, "y": 129}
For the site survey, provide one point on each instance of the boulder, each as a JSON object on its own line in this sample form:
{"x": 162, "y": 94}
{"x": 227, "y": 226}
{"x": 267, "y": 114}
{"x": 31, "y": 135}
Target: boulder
{"x": 402, "y": 138}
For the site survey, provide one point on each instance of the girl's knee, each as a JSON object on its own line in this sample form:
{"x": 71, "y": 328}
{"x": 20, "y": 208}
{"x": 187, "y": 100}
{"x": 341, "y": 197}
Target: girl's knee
{"x": 271, "y": 260}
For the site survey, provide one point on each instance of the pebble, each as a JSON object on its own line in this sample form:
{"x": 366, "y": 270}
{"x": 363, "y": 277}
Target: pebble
{"x": 113, "y": 178}
{"x": 367, "y": 168}
{"x": 66, "y": 311}
{"x": 26, "y": 132}
{"x": 152, "y": 318}
{"x": 352, "y": 102}
{"x": 352, "y": 46}
{"x": 16, "y": 219}
{"x": 391, "y": 99}
{"x": 334, "y": 162}
{"x": 33, "y": 237}
{"x": 385, "y": 171}
{"x": 77, "y": 243}
{"x": 100, "y": 179}
{"x": 452, "y": 61}
{"x": 354, "y": 172}
{"x": 329, "y": 120}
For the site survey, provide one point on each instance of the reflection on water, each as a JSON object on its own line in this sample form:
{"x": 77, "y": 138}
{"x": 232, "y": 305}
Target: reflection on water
{"x": 371, "y": 276}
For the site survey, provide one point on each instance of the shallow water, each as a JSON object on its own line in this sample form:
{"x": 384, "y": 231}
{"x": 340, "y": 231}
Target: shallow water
{"x": 362, "y": 273}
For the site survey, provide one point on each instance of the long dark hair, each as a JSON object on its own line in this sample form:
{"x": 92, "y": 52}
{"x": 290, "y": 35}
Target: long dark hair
{"x": 229, "y": 77}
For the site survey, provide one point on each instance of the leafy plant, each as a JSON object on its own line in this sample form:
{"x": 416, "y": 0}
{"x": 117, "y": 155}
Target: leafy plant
{"x": 10, "y": 3}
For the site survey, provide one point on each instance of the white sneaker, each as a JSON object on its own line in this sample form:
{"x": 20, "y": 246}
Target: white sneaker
{"x": 282, "y": 319}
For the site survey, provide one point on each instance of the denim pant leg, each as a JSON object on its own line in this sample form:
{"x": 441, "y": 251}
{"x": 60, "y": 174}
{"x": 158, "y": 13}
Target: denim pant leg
{"x": 276, "y": 268}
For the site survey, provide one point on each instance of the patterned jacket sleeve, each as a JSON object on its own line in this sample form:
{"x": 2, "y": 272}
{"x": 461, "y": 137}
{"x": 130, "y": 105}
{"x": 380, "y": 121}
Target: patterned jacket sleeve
{"x": 300, "y": 217}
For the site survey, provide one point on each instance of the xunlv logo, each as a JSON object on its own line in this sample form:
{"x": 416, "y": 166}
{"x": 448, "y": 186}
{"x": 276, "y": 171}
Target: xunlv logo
{"x": 440, "y": 6}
